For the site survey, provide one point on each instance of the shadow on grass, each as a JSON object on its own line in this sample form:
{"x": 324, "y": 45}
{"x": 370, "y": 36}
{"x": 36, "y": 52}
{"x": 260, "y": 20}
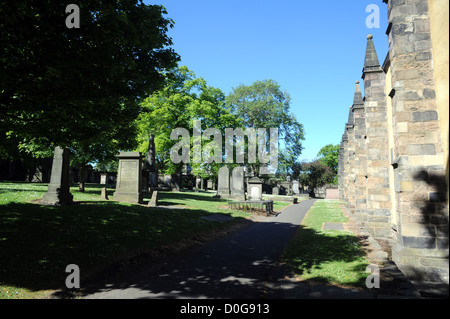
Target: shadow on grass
{"x": 337, "y": 256}
{"x": 200, "y": 196}
{"x": 95, "y": 189}
{"x": 38, "y": 242}
{"x": 7, "y": 190}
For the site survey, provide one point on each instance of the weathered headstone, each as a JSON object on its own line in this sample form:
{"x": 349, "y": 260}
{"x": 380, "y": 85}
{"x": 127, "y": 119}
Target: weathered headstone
{"x": 237, "y": 183}
{"x": 275, "y": 190}
{"x": 129, "y": 178}
{"x": 198, "y": 183}
{"x": 59, "y": 188}
{"x": 285, "y": 188}
{"x": 104, "y": 194}
{"x": 295, "y": 187}
{"x": 254, "y": 189}
{"x": 103, "y": 178}
{"x": 223, "y": 188}
{"x": 154, "y": 200}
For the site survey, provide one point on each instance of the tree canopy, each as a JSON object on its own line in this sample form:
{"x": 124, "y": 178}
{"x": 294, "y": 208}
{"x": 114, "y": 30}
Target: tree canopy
{"x": 184, "y": 99}
{"x": 109, "y": 84}
{"x": 315, "y": 174}
{"x": 66, "y": 86}
{"x": 329, "y": 155}
{"x": 264, "y": 104}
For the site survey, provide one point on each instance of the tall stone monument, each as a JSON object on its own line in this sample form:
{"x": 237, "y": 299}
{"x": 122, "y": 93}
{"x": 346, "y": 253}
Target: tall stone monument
{"x": 237, "y": 183}
{"x": 223, "y": 189}
{"x": 295, "y": 187}
{"x": 59, "y": 188}
{"x": 150, "y": 164}
{"x": 129, "y": 178}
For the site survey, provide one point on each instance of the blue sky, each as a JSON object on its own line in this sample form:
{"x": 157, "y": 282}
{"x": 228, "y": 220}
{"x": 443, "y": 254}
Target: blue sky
{"x": 313, "y": 49}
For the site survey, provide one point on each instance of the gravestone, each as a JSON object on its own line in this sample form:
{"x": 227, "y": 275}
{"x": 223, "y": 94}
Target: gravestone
{"x": 59, "y": 188}
{"x": 103, "y": 178}
{"x": 129, "y": 178}
{"x": 41, "y": 173}
{"x": 275, "y": 190}
{"x": 237, "y": 183}
{"x": 209, "y": 184}
{"x": 223, "y": 188}
{"x": 254, "y": 189}
{"x": 285, "y": 188}
{"x": 295, "y": 187}
{"x": 104, "y": 194}
{"x": 154, "y": 200}
{"x": 198, "y": 184}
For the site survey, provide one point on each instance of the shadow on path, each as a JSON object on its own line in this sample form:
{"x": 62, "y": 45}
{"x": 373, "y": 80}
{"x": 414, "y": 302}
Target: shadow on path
{"x": 236, "y": 266}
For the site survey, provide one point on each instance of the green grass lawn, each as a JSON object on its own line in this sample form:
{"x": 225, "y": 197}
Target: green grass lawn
{"x": 326, "y": 256}
{"x": 37, "y": 242}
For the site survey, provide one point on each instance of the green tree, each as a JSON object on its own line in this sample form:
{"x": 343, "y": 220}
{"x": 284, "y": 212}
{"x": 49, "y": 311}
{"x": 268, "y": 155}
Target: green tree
{"x": 329, "y": 155}
{"x": 64, "y": 86}
{"x": 184, "y": 99}
{"x": 315, "y": 174}
{"x": 265, "y": 105}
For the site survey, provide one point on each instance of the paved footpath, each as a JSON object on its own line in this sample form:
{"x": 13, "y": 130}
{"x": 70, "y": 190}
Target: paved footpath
{"x": 236, "y": 266}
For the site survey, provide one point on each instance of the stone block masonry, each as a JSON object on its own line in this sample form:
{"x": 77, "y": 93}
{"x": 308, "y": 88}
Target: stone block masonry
{"x": 359, "y": 160}
{"x": 377, "y": 150}
{"x": 393, "y": 161}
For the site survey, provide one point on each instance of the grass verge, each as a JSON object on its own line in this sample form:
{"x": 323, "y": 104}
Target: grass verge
{"x": 326, "y": 256}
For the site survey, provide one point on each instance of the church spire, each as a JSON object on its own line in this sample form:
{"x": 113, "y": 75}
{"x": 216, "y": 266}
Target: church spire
{"x": 371, "y": 62}
{"x": 358, "y": 99}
